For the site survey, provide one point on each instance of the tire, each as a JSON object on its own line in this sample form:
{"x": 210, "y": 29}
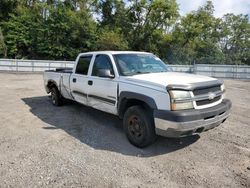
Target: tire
{"x": 56, "y": 97}
{"x": 139, "y": 126}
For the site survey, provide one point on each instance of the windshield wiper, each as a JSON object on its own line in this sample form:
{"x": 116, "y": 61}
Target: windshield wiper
{"x": 139, "y": 72}
{"x": 135, "y": 73}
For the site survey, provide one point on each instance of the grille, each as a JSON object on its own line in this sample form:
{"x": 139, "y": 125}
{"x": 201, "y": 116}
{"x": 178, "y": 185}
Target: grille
{"x": 207, "y": 101}
{"x": 206, "y": 90}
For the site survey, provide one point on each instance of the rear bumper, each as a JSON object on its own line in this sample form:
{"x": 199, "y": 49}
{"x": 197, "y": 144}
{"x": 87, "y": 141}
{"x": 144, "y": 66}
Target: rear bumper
{"x": 189, "y": 122}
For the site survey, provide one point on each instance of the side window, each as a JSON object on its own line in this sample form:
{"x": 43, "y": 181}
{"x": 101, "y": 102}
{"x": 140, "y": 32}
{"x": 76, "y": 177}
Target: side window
{"x": 82, "y": 66}
{"x": 102, "y": 62}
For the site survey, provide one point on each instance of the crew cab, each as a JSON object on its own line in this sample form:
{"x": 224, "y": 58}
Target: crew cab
{"x": 143, "y": 91}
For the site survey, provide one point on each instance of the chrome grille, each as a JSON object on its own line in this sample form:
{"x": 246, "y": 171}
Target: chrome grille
{"x": 206, "y": 90}
{"x": 202, "y": 95}
{"x": 207, "y": 101}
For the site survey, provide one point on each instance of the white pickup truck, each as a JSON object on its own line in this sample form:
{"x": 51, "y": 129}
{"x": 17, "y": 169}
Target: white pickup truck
{"x": 143, "y": 91}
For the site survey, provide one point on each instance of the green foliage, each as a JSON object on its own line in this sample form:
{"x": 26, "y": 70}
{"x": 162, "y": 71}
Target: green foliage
{"x": 196, "y": 37}
{"x": 7, "y": 7}
{"x": 235, "y": 42}
{"x": 47, "y": 31}
{"x": 3, "y": 49}
{"x": 111, "y": 40}
{"x": 18, "y": 34}
{"x": 52, "y": 29}
{"x": 149, "y": 18}
{"x": 144, "y": 23}
{"x": 64, "y": 33}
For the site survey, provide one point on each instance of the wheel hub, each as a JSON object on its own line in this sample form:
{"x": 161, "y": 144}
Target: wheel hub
{"x": 53, "y": 98}
{"x": 135, "y": 127}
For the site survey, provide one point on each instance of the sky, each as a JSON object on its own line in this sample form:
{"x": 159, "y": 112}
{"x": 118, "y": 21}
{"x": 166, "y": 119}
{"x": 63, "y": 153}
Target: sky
{"x": 221, "y": 6}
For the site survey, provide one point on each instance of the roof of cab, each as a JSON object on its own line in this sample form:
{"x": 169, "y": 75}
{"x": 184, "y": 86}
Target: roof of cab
{"x": 115, "y": 52}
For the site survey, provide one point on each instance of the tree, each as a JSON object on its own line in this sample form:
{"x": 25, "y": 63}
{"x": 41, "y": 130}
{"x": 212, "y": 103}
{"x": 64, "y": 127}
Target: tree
{"x": 3, "y": 49}
{"x": 148, "y": 17}
{"x": 18, "y": 33}
{"x": 6, "y": 8}
{"x": 142, "y": 22}
{"x": 111, "y": 40}
{"x": 196, "y": 37}
{"x": 56, "y": 29}
{"x": 113, "y": 15}
{"x": 49, "y": 31}
{"x": 235, "y": 42}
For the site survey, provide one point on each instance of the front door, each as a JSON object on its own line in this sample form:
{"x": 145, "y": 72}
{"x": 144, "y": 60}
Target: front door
{"x": 102, "y": 92}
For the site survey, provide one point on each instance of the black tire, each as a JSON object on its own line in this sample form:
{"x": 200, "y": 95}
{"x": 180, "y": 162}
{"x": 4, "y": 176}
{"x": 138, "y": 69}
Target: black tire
{"x": 56, "y": 97}
{"x": 139, "y": 126}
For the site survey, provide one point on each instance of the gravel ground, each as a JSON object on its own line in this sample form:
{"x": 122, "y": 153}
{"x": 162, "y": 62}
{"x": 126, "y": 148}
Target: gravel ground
{"x": 76, "y": 146}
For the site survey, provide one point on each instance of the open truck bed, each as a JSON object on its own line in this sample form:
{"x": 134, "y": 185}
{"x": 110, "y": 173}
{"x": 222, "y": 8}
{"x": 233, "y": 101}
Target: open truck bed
{"x": 61, "y": 70}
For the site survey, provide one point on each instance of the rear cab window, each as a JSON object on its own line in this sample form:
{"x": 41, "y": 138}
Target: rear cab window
{"x": 83, "y": 63}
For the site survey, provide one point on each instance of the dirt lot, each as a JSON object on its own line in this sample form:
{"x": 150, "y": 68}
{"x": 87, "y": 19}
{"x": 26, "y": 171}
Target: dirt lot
{"x": 75, "y": 146}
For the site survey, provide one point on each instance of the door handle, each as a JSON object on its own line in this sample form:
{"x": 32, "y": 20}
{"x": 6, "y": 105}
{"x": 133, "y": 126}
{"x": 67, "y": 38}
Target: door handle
{"x": 74, "y": 80}
{"x": 90, "y": 82}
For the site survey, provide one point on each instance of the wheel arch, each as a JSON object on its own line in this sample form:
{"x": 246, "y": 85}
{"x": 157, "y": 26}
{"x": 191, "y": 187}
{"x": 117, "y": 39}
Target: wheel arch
{"x": 128, "y": 99}
{"x": 50, "y": 85}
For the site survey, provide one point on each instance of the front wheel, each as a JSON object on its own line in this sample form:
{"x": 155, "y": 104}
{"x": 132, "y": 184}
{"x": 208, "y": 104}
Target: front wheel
{"x": 139, "y": 126}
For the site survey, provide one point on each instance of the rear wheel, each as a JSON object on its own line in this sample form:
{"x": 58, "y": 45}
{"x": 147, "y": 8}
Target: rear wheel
{"x": 56, "y": 97}
{"x": 139, "y": 126}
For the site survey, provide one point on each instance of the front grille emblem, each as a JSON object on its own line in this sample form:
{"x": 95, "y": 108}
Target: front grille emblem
{"x": 211, "y": 96}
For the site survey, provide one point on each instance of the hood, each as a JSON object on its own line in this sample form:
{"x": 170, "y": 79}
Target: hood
{"x": 170, "y": 78}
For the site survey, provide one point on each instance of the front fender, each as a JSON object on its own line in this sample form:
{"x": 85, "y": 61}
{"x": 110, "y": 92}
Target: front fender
{"x": 125, "y": 96}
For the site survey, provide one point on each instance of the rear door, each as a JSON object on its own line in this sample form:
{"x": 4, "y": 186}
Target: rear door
{"x": 79, "y": 79}
{"x": 102, "y": 92}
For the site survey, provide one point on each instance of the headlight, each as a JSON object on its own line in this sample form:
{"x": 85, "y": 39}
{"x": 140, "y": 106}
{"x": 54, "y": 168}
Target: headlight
{"x": 180, "y": 100}
{"x": 222, "y": 87}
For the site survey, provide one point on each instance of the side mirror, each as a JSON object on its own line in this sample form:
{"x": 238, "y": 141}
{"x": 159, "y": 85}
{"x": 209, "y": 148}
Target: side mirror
{"x": 105, "y": 73}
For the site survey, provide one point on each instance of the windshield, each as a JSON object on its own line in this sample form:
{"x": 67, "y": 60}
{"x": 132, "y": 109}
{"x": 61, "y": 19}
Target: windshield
{"x": 132, "y": 64}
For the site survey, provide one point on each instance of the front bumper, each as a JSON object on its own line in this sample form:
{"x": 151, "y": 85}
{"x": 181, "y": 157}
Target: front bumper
{"x": 190, "y": 122}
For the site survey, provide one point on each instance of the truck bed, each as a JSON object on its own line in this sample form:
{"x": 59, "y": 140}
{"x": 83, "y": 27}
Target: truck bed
{"x": 61, "y": 70}
{"x": 61, "y": 77}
